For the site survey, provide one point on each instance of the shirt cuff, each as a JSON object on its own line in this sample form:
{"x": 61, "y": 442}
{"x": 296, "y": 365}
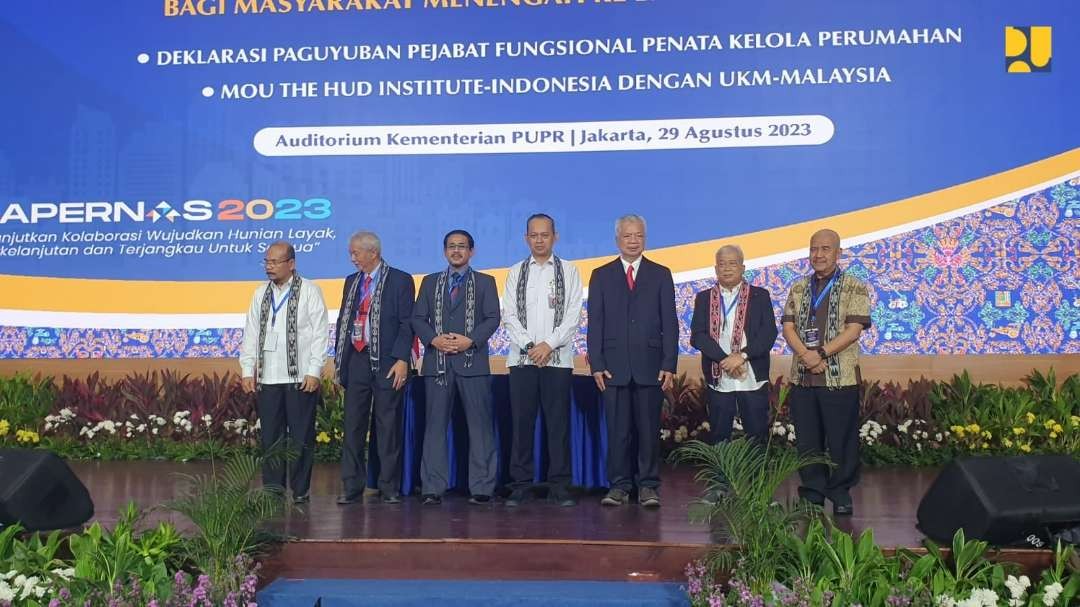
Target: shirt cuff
{"x": 787, "y": 318}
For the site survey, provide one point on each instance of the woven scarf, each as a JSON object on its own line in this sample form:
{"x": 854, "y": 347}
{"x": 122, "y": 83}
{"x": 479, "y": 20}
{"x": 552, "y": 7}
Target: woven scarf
{"x": 374, "y": 315}
{"x": 291, "y": 349}
{"x": 560, "y": 296}
{"x": 717, "y": 322}
{"x": 805, "y": 318}
{"x": 470, "y": 318}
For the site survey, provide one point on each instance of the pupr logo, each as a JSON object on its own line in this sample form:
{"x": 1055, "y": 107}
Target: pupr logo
{"x": 1027, "y": 48}
{"x": 163, "y": 211}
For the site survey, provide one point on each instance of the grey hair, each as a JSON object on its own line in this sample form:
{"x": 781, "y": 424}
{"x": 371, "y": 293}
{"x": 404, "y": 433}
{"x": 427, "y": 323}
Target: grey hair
{"x": 367, "y": 240}
{"x": 731, "y": 248}
{"x": 631, "y": 218}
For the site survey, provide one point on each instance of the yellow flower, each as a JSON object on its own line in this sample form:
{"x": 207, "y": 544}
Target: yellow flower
{"x": 27, "y": 436}
{"x": 1018, "y": 431}
{"x": 4, "y": 427}
{"x": 958, "y": 430}
{"x": 973, "y": 428}
{"x": 1026, "y": 447}
{"x": 322, "y": 437}
{"x": 1075, "y": 419}
{"x": 1030, "y": 417}
{"x": 1049, "y": 424}
{"x": 986, "y": 445}
{"x": 1058, "y": 429}
{"x": 1053, "y": 435}
{"x": 987, "y": 434}
{"x": 1006, "y": 442}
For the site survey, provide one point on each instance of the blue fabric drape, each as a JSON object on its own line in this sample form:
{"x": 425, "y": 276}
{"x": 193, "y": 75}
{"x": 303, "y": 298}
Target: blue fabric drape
{"x": 588, "y": 437}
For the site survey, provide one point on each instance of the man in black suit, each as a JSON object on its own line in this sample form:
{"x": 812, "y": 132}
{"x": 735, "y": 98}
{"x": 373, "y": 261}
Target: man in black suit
{"x": 455, "y": 314}
{"x": 734, "y": 327}
{"x": 372, "y": 354}
{"x": 633, "y": 349}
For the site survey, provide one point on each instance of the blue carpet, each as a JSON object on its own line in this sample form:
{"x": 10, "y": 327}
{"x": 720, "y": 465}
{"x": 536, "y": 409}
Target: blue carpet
{"x": 402, "y": 593}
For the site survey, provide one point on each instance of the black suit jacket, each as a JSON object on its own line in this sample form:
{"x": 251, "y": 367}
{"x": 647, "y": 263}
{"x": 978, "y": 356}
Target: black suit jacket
{"x": 632, "y": 334}
{"x": 395, "y": 324}
{"x": 485, "y": 323}
{"x": 760, "y": 332}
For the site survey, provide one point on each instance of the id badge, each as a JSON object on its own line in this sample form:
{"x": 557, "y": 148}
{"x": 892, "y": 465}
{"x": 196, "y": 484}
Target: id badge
{"x": 810, "y": 338}
{"x": 270, "y": 343}
{"x": 552, "y": 301}
{"x": 357, "y": 330}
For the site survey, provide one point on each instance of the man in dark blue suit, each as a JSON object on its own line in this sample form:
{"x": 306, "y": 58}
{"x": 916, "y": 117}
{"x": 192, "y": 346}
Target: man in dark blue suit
{"x": 372, "y": 354}
{"x": 633, "y": 349}
{"x": 455, "y": 314}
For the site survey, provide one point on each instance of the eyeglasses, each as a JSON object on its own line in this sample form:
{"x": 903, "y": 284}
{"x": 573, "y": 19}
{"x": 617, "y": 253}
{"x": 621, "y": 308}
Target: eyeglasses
{"x": 274, "y": 262}
{"x": 457, "y": 247}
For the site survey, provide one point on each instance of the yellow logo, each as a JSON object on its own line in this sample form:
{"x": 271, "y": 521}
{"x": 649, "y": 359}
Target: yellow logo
{"x": 1027, "y": 48}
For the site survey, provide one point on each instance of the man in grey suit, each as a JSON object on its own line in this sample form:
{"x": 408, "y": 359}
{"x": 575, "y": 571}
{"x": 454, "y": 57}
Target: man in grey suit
{"x": 455, "y": 314}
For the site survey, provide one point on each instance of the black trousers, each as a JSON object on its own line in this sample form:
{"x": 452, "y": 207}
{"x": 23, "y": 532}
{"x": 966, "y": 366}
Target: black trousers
{"x": 546, "y": 389}
{"x": 365, "y": 394}
{"x": 474, "y": 394}
{"x": 633, "y": 415}
{"x": 827, "y": 419}
{"x": 287, "y": 414}
{"x": 753, "y": 409}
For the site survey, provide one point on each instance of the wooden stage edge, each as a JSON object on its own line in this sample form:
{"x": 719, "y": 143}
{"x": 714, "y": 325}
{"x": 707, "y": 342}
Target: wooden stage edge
{"x": 462, "y": 559}
{"x": 1007, "y": 369}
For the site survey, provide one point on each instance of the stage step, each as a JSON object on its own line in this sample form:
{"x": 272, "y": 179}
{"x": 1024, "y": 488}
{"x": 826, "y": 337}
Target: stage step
{"x": 408, "y": 593}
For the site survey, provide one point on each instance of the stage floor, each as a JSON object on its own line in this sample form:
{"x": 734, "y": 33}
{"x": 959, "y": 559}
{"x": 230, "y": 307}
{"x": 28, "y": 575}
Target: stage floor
{"x": 885, "y": 500}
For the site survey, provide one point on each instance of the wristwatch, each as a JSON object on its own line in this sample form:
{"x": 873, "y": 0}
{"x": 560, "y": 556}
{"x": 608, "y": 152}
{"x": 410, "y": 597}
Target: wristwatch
{"x": 744, "y": 355}
{"x": 528, "y": 346}
{"x": 821, "y": 352}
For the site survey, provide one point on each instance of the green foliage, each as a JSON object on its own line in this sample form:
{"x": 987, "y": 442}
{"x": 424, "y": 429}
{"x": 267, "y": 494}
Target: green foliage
{"x": 228, "y": 508}
{"x": 741, "y": 478}
{"x": 106, "y": 560}
{"x": 26, "y": 400}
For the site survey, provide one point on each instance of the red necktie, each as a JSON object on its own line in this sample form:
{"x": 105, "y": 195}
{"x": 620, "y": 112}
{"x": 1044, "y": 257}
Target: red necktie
{"x": 362, "y": 315}
{"x": 630, "y": 277}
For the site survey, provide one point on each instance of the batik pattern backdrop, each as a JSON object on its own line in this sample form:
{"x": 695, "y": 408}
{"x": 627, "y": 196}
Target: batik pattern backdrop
{"x": 1003, "y": 280}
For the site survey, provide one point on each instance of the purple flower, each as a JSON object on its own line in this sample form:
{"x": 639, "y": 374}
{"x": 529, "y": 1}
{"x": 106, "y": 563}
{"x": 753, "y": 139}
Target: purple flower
{"x": 54, "y": 603}
{"x": 65, "y": 594}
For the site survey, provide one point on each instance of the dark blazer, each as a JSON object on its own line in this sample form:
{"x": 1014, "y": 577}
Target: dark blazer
{"x": 395, "y": 324}
{"x": 485, "y": 323}
{"x": 760, "y": 332}
{"x": 632, "y": 334}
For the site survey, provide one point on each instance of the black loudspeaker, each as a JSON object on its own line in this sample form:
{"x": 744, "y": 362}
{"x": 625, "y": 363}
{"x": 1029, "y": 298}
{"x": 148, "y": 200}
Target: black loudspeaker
{"x": 39, "y": 491}
{"x": 1003, "y": 500}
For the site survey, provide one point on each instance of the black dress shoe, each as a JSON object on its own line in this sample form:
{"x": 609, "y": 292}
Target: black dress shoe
{"x": 391, "y": 499}
{"x": 301, "y": 499}
{"x": 563, "y": 498}
{"x": 349, "y": 499}
{"x": 432, "y": 500}
{"x": 517, "y": 497}
{"x": 843, "y": 509}
{"x": 480, "y": 500}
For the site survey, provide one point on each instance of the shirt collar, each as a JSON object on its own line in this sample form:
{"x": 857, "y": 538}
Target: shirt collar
{"x": 535, "y": 262}
{"x": 462, "y": 272}
{"x": 627, "y": 264}
{"x": 282, "y": 288}
{"x": 827, "y": 278}
{"x": 732, "y": 290}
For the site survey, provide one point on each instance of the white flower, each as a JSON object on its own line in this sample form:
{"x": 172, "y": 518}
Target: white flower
{"x": 985, "y": 597}
{"x": 134, "y": 417}
{"x": 207, "y": 419}
{"x": 778, "y": 429}
{"x": 155, "y": 430}
{"x": 737, "y": 424}
{"x": 67, "y": 574}
{"x": 705, "y": 426}
{"x": 1051, "y": 593}
{"x": 160, "y": 421}
{"x": 6, "y": 592}
{"x": 141, "y": 428}
{"x": 258, "y": 424}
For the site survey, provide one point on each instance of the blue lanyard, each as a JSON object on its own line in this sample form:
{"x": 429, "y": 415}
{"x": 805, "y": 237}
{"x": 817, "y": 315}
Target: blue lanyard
{"x": 728, "y": 308}
{"x": 276, "y": 305}
{"x": 364, "y": 291}
{"x": 455, "y": 281}
{"x": 817, "y": 299}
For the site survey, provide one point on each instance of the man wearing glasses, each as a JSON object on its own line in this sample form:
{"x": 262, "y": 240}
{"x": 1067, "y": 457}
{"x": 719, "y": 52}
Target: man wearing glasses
{"x": 281, "y": 359}
{"x": 455, "y": 314}
{"x": 734, "y": 327}
{"x": 372, "y": 352}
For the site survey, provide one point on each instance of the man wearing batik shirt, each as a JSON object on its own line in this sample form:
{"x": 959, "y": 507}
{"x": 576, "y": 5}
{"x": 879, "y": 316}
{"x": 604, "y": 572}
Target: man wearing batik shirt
{"x": 281, "y": 358}
{"x": 825, "y": 314}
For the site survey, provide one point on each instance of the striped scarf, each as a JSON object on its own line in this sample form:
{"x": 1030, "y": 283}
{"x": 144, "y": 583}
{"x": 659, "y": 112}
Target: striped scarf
{"x": 717, "y": 322}
{"x": 560, "y": 296}
{"x": 374, "y": 316}
{"x": 470, "y": 318}
{"x": 291, "y": 350}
